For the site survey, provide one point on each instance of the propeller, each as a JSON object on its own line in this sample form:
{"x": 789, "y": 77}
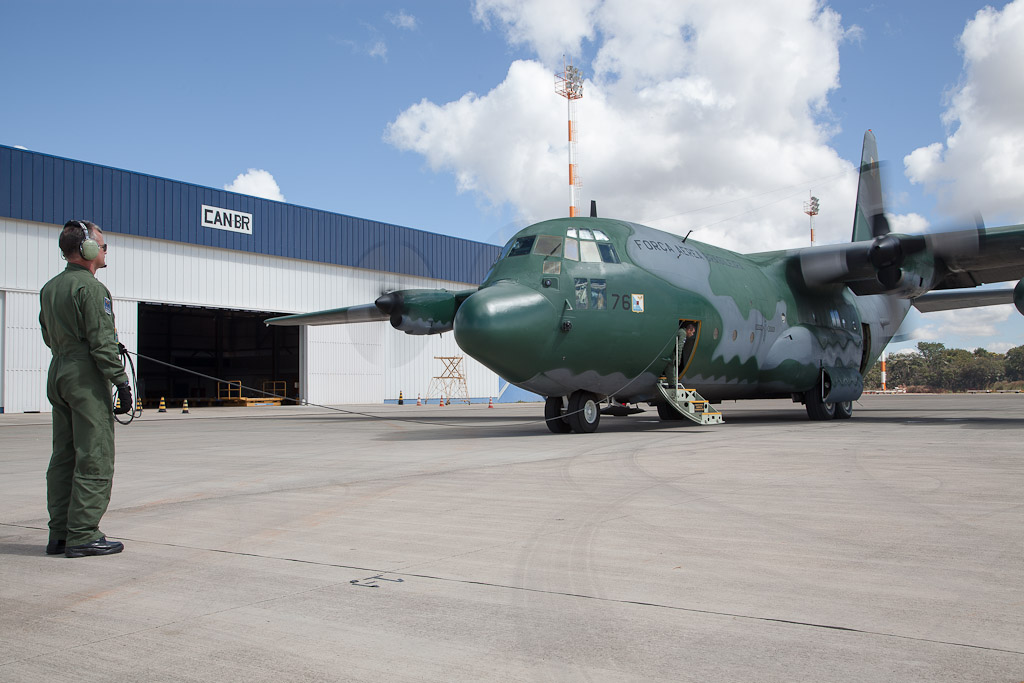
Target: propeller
{"x": 881, "y": 260}
{"x": 391, "y": 304}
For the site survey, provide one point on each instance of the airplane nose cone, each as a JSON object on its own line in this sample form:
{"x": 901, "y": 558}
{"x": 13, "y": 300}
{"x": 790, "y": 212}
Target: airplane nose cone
{"x": 504, "y": 326}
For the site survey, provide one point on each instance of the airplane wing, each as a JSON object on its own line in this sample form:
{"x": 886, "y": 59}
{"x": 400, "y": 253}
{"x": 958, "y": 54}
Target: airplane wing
{"x": 994, "y": 255}
{"x": 950, "y": 300}
{"x": 413, "y": 311}
{"x": 350, "y": 314}
{"x": 940, "y": 260}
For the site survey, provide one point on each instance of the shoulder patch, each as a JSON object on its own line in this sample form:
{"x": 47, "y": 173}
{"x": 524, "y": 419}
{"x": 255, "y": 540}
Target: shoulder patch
{"x": 108, "y": 308}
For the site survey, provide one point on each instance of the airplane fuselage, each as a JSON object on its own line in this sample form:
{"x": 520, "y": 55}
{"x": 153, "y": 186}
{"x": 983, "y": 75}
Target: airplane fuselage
{"x": 598, "y": 305}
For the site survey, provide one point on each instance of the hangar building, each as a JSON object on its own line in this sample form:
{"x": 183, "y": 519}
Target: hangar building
{"x": 194, "y": 271}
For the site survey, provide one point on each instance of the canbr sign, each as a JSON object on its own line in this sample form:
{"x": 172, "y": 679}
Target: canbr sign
{"x": 226, "y": 219}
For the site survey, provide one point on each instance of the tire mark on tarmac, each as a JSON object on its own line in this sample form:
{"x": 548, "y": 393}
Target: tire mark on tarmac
{"x": 565, "y": 594}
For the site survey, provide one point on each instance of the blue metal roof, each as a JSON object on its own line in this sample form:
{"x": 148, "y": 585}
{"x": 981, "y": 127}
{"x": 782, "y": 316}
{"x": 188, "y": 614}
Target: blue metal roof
{"x": 47, "y": 189}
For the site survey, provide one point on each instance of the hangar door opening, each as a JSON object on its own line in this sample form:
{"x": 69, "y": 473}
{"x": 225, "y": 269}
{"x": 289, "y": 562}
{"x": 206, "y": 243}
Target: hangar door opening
{"x": 227, "y": 344}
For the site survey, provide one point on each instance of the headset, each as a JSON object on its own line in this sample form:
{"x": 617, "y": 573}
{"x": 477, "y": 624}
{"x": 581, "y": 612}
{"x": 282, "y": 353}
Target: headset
{"x": 89, "y": 248}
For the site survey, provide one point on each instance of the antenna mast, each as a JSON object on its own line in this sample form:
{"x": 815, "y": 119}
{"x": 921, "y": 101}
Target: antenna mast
{"x": 811, "y": 209}
{"x": 569, "y": 84}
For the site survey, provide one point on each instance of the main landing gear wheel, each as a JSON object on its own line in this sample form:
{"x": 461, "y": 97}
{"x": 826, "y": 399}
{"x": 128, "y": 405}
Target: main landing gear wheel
{"x": 553, "y": 414}
{"x": 816, "y": 408}
{"x": 584, "y": 413}
{"x": 844, "y": 410}
{"x": 667, "y": 413}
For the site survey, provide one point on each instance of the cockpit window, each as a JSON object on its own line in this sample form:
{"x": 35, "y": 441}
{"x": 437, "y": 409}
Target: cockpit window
{"x": 522, "y": 245}
{"x": 589, "y": 252}
{"x": 580, "y": 244}
{"x": 548, "y": 245}
{"x": 608, "y": 254}
{"x": 572, "y": 249}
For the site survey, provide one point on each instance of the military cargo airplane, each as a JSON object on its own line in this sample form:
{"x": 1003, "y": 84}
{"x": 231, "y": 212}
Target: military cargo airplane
{"x": 584, "y": 310}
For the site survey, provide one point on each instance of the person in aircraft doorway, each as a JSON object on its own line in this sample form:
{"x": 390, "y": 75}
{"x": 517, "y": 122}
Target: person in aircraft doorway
{"x": 77, "y": 321}
{"x": 690, "y": 330}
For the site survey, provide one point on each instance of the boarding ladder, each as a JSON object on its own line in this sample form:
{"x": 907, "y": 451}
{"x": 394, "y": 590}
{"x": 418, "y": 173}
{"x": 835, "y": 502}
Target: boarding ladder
{"x": 687, "y": 402}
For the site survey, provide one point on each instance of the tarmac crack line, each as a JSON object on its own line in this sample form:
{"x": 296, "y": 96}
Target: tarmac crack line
{"x": 566, "y": 594}
{"x": 619, "y": 601}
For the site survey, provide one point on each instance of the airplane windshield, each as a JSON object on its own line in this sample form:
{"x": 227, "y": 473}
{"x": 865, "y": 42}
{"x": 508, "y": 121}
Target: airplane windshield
{"x": 580, "y": 244}
{"x": 522, "y": 245}
{"x": 608, "y": 254}
{"x": 589, "y": 252}
{"x": 549, "y": 245}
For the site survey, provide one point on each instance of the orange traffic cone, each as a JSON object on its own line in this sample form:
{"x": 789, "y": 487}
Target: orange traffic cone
{"x": 490, "y": 402}
{"x": 418, "y": 401}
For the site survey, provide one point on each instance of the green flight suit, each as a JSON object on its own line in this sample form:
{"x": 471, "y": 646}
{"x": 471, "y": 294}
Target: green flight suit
{"x": 77, "y": 319}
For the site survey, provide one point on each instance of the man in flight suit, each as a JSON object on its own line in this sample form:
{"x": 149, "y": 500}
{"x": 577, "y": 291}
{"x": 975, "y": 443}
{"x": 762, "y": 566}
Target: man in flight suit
{"x": 77, "y": 322}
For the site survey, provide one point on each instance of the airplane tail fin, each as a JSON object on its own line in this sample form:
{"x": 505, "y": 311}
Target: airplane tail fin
{"x": 869, "y": 219}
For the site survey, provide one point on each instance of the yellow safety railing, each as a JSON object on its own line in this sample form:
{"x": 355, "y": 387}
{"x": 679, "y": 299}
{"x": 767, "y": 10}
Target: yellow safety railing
{"x": 229, "y": 390}
{"x": 276, "y": 387}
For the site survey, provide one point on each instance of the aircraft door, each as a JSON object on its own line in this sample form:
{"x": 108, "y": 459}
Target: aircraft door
{"x": 687, "y": 339}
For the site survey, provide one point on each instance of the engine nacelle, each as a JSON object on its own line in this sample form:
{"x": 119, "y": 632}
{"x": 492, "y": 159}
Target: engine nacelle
{"x": 841, "y": 384}
{"x": 420, "y": 311}
{"x": 1018, "y": 296}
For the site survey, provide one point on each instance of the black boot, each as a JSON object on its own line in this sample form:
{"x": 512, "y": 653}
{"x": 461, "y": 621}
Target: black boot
{"x": 101, "y": 546}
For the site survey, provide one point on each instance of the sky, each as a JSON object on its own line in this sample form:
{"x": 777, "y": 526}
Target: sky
{"x": 716, "y": 116}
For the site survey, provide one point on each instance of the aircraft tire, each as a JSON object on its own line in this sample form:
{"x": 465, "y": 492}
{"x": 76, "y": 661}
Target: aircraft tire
{"x": 553, "y": 415}
{"x": 668, "y": 414}
{"x": 844, "y": 410}
{"x": 817, "y": 409}
{"x": 584, "y": 413}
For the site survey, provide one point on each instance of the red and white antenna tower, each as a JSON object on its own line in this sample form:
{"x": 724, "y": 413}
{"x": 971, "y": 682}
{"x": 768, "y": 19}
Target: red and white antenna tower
{"x": 569, "y": 84}
{"x": 811, "y": 209}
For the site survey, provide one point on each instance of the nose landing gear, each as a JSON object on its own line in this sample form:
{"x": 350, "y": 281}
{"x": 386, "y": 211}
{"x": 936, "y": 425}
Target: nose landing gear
{"x": 580, "y": 414}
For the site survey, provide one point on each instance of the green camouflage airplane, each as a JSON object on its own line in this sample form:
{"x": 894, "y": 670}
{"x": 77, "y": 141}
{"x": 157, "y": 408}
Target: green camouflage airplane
{"x": 583, "y": 310}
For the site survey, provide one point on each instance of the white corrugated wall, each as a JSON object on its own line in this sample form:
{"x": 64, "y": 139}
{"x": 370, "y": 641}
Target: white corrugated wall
{"x": 365, "y": 363}
{"x": 26, "y": 358}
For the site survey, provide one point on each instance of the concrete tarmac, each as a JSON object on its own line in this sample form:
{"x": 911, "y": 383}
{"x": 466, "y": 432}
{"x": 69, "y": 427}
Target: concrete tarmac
{"x": 471, "y": 544}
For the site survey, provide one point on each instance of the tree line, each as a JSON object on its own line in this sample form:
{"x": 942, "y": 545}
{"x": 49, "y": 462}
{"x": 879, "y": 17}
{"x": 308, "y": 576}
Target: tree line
{"x": 934, "y": 368}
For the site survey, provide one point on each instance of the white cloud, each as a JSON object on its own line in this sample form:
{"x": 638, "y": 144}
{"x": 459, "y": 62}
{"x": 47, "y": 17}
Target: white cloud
{"x": 908, "y": 223}
{"x": 963, "y": 323}
{"x": 379, "y": 49}
{"x": 258, "y": 183}
{"x": 402, "y": 20}
{"x": 997, "y": 347}
{"x": 981, "y": 163}
{"x": 719, "y": 100}
{"x": 550, "y": 29}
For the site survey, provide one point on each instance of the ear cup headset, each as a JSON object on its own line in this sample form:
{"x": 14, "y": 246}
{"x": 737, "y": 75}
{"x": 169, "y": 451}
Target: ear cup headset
{"x": 90, "y": 248}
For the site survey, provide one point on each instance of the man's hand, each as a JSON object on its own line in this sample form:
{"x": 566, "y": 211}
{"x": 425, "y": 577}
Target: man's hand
{"x": 124, "y": 398}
